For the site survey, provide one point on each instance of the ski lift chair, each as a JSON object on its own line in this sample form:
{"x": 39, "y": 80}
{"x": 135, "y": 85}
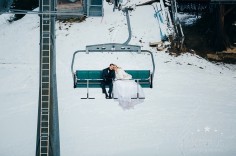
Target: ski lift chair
{"x": 92, "y": 78}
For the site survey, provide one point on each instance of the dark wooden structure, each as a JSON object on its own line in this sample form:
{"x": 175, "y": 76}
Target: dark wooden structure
{"x": 221, "y": 12}
{"x": 223, "y": 1}
{"x": 223, "y": 8}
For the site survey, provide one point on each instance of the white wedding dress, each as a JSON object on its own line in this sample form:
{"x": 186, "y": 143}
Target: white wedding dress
{"x": 125, "y": 90}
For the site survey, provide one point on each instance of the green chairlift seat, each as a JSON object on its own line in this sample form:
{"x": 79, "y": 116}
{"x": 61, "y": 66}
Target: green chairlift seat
{"x": 93, "y": 78}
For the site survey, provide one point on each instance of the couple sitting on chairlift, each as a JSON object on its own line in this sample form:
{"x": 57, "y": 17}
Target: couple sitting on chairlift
{"x": 121, "y": 87}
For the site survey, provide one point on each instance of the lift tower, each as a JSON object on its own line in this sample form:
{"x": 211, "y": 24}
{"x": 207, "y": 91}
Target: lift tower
{"x": 47, "y": 142}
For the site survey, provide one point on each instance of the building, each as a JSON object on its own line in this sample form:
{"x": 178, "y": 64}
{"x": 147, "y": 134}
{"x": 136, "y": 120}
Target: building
{"x": 83, "y": 7}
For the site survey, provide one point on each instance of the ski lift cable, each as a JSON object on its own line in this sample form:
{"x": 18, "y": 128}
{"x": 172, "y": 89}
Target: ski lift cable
{"x": 16, "y": 11}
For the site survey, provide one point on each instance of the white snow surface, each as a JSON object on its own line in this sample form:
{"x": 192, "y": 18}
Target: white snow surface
{"x": 189, "y": 111}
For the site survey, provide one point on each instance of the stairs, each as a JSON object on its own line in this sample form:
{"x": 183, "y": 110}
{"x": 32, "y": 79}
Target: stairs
{"x": 45, "y": 78}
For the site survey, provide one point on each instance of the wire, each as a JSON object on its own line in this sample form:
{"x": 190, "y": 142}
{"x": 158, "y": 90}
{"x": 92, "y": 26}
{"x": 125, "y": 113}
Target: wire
{"x": 15, "y": 11}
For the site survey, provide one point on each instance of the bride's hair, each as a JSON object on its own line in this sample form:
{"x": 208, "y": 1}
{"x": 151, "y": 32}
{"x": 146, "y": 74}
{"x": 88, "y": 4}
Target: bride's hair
{"x": 117, "y": 66}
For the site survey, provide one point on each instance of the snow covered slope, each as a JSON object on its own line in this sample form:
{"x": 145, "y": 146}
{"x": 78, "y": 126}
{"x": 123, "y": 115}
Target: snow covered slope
{"x": 190, "y": 110}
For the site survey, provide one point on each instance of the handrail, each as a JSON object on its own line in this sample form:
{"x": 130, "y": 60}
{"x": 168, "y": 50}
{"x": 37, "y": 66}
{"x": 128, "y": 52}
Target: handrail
{"x": 73, "y": 59}
{"x": 153, "y": 62}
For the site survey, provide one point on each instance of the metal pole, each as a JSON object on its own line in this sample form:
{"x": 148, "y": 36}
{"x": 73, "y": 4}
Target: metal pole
{"x": 126, "y": 10}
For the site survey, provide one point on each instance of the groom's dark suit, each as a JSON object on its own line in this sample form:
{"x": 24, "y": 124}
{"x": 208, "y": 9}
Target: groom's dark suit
{"x": 107, "y": 77}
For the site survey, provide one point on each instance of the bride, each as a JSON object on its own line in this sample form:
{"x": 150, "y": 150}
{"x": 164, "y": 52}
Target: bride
{"x": 125, "y": 90}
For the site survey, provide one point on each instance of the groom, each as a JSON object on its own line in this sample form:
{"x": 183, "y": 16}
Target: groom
{"x": 108, "y": 75}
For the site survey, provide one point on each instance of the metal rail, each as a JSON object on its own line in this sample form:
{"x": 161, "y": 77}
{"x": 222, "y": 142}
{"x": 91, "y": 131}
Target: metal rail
{"x": 87, "y": 87}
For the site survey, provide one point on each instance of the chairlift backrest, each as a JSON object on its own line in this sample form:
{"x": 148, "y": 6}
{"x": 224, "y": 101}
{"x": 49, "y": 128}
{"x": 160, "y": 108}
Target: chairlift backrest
{"x": 93, "y": 78}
